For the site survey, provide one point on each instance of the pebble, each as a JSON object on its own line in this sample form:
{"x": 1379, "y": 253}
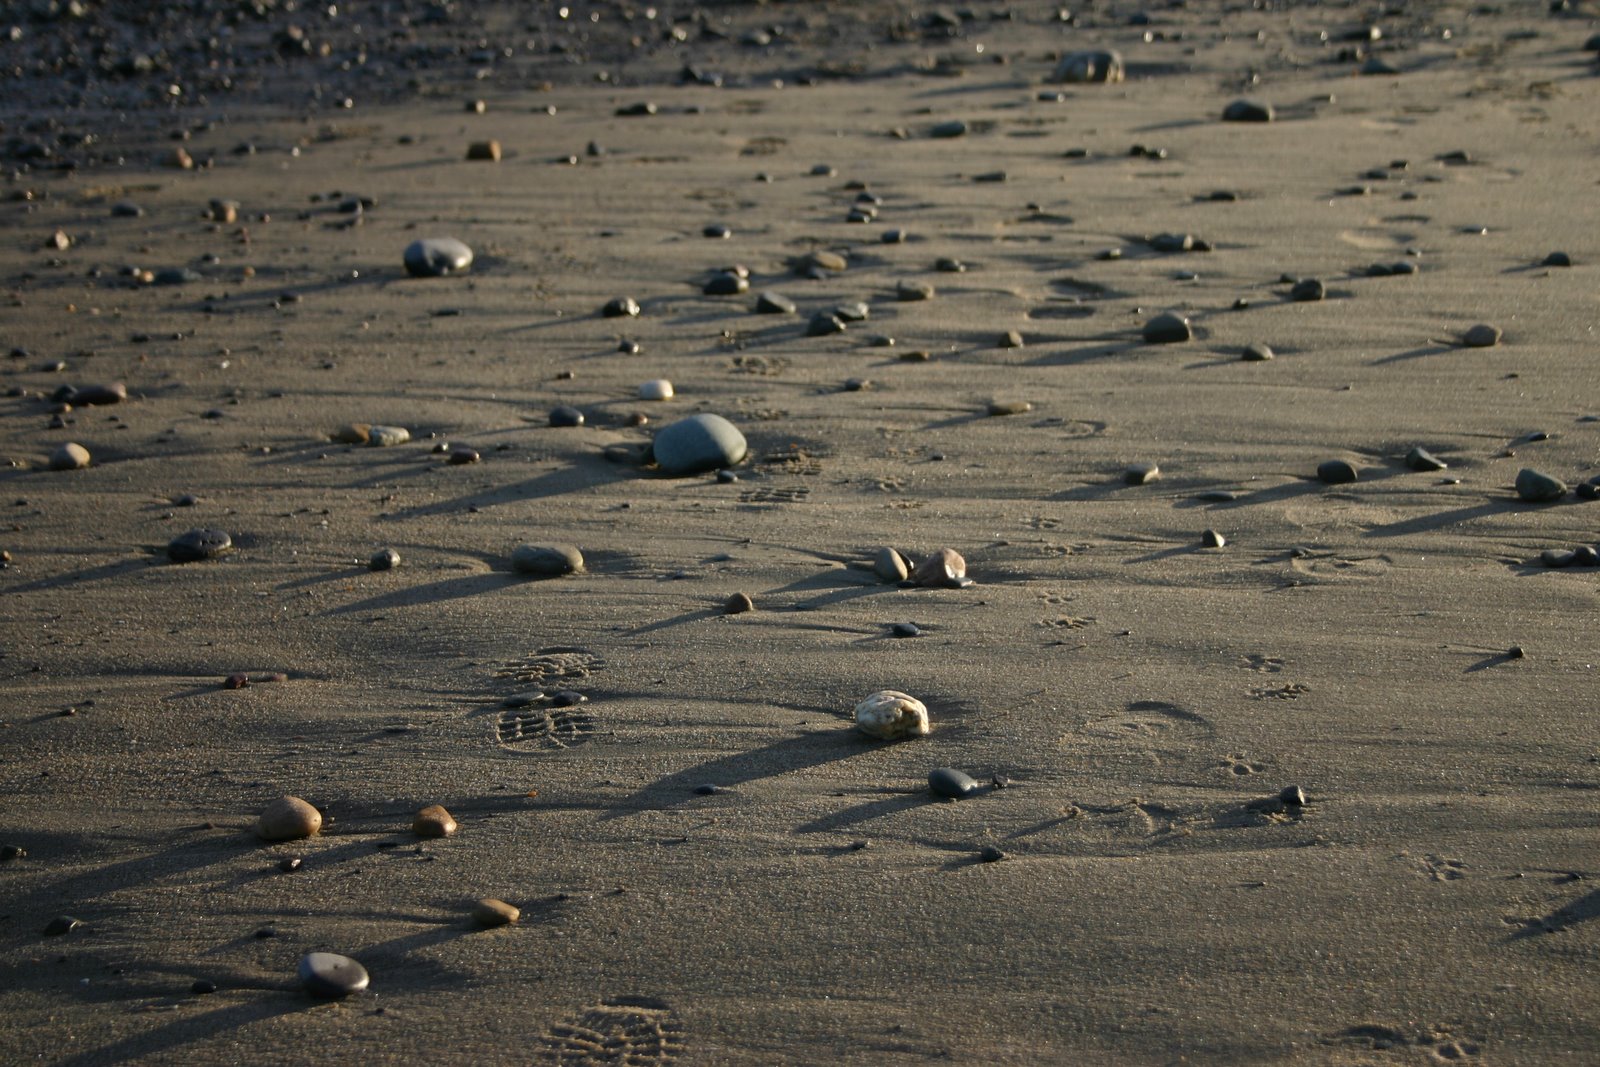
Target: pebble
{"x": 192, "y": 546}
{"x": 355, "y": 433}
{"x": 1586, "y": 556}
{"x": 949, "y": 265}
{"x": 1420, "y": 459}
{"x": 1213, "y": 539}
{"x": 893, "y": 237}
{"x": 1556, "y": 259}
{"x": 69, "y": 457}
{"x": 1091, "y": 66}
{"x": 1248, "y": 111}
{"x": 953, "y": 128}
{"x": 547, "y": 561}
{"x": 461, "y": 455}
{"x": 1011, "y": 339}
{"x": 824, "y": 323}
{"x": 565, "y": 416}
{"x": 890, "y": 715}
{"x": 890, "y": 565}
{"x": 1481, "y": 336}
{"x": 225, "y": 211}
{"x": 726, "y": 283}
{"x": 911, "y": 291}
{"x": 1172, "y": 242}
{"x": 1556, "y": 557}
{"x": 823, "y": 260}
{"x": 491, "y": 912}
{"x": 1256, "y": 353}
{"x": 771, "y": 303}
{"x": 716, "y": 230}
{"x": 12, "y": 852}
{"x": 1293, "y": 796}
{"x": 126, "y": 209}
{"x": 288, "y": 819}
{"x": 1589, "y": 490}
{"x": 1536, "y": 487}
{"x": 738, "y": 604}
{"x": 1167, "y": 328}
{"x": 484, "y": 151}
{"x": 387, "y": 436}
{"x": 949, "y": 782}
{"x": 1141, "y": 473}
{"x": 290, "y": 864}
{"x": 1009, "y": 407}
{"x": 433, "y": 821}
{"x": 905, "y": 629}
{"x": 990, "y": 854}
{"x": 698, "y": 443}
{"x": 1307, "y": 290}
{"x": 620, "y": 308}
{"x": 201, "y": 987}
{"x": 943, "y": 569}
{"x": 1336, "y": 472}
{"x": 434, "y": 257}
{"x": 853, "y": 311}
{"x": 62, "y": 924}
{"x": 330, "y": 975}
{"x": 656, "y": 389}
{"x": 175, "y": 276}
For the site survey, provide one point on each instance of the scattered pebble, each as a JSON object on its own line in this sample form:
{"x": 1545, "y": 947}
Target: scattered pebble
{"x": 288, "y": 819}
{"x": 1556, "y": 259}
{"x": 1482, "y": 335}
{"x": 824, "y": 323}
{"x": 193, "y": 546}
{"x": 890, "y": 565}
{"x": 1011, "y": 339}
{"x": 1420, "y": 459}
{"x": 990, "y": 854}
{"x": 62, "y": 924}
{"x": 656, "y": 389}
{"x": 484, "y": 151}
{"x": 433, "y": 821}
{"x": 1536, "y": 487}
{"x": 565, "y": 416}
{"x": 331, "y": 976}
{"x": 434, "y": 257}
{"x": 827, "y": 261}
{"x": 387, "y": 436}
{"x": 1213, "y": 539}
{"x": 1167, "y": 328}
{"x": 949, "y": 782}
{"x": 1307, "y": 290}
{"x": 1009, "y": 407}
{"x": 96, "y": 395}
{"x": 771, "y": 303}
{"x": 1248, "y": 111}
{"x": 461, "y": 455}
{"x": 546, "y": 561}
{"x": 1103, "y": 67}
{"x": 913, "y": 291}
{"x": 890, "y": 715}
{"x": 698, "y": 443}
{"x": 738, "y": 604}
{"x": 69, "y": 457}
{"x": 491, "y": 912}
{"x": 905, "y": 629}
{"x": 953, "y": 128}
{"x": 1256, "y": 353}
{"x": 942, "y": 569}
{"x": 355, "y": 433}
{"x": 726, "y": 283}
{"x": 1141, "y": 473}
{"x": 622, "y": 307}
{"x": 1336, "y": 472}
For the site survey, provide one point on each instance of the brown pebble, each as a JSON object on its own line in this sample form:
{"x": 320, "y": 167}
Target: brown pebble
{"x": 355, "y": 433}
{"x": 1009, "y": 407}
{"x": 180, "y": 159}
{"x": 491, "y": 911}
{"x": 226, "y": 211}
{"x": 461, "y": 456}
{"x": 433, "y": 821}
{"x": 69, "y": 457}
{"x": 486, "y": 151}
{"x": 288, "y": 819}
{"x": 236, "y": 681}
{"x": 738, "y": 604}
{"x": 943, "y": 569}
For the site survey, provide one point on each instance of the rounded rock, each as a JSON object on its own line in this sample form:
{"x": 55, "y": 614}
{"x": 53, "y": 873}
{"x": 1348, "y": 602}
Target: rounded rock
{"x": 1141, "y": 473}
{"x": 771, "y": 303}
{"x": 434, "y": 257}
{"x": 1166, "y": 329}
{"x": 1257, "y": 353}
{"x": 890, "y": 565}
{"x": 1482, "y": 335}
{"x": 1336, "y": 472}
{"x": 288, "y": 819}
{"x": 1308, "y": 290}
{"x": 891, "y": 715}
{"x": 1213, "y": 539}
{"x": 726, "y": 283}
{"x": 1537, "y": 487}
{"x": 698, "y": 443}
{"x": 491, "y": 912}
{"x": 738, "y": 604}
{"x": 1248, "y": 111}
{"x": 1420, "y": 459}
{"x": 565, "y": 416}
{"x": 546, "y": 561}
{"x": 387, "y": 436}
{"x": 330, "y": 975}
{"x": 949, "y": 782}
{"x": 656, "y": 389}
{"x": 384, "y": 560}
{"x": 193, "y": 546}
{"x": 620, "y": 308}
{"x": 433, "y": 821}
{"x": 69, "y": 457}
{"x": 942, "y": 569}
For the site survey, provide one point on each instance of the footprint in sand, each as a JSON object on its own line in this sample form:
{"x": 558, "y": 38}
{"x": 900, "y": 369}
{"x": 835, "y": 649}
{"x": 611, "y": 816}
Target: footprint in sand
{"x": 627, "y": 1031}
{"x": 556, "y": 664}
{"x": 540, "y": 725}
{"x": 1240, "y": 767}
{"x": 1151, "y": 720}
{"x": 774, "y": 494}
{"x": 1437, "y": 1044}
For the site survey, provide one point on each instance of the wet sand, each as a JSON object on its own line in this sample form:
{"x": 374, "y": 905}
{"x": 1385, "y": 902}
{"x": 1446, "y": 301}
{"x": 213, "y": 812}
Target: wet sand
{"x": 1140, "y": 696}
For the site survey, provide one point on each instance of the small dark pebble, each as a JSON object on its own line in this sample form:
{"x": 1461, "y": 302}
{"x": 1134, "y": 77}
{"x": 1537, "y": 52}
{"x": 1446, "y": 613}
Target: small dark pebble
{"x": 201, "y": 987}
{"x": 1336, "y": 472}
{"x": 12, "y": 852}
{"x": 716, "y": 229}
{"x": 62, "y": 924}
{"x": 1293, "y": 796}
{"x": 1166, "y": 329}
{"x": 1307, "y": 290}
{"x": 1516, "y": 652}
{"x": 990, "y": 854}
{"x": 949, "y": 782}
{"x": 771, "y": 303}
{"x": 1556, "y": 259}
{"x": 236, "y": 681}
{"x": 824, "y": 323}
{"x": 905, "y": 629}
{"x": 290, "y": 864}
{"x": 1247, "y": 111}
{"x": 726, "y": 476}
{"x": 1536, "y": 487}
{"x": 565, "y": 415}
{"x": 725, "y": 283}
{"x": 1256, "y": 353}
{"x": 386, "y": 559}
{"x": 1586, "y": 556}
{"x": 738, "y": 604}
{"x": 707, "y": 790}
{"x": 1213, "y": 539}
{"x": 621, "y": 307}
{"x": 196, "y": 545}
{"x": 954, "y": 128}
{"x": 1420, "y": 459}
{"x": 566, "y": 698}
{"x": 265, "y": 933}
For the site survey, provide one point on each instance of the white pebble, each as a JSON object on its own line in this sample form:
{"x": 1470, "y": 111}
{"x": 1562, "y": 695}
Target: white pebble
{"x": 656, "y": 389}
{"x": 891, "y": 715}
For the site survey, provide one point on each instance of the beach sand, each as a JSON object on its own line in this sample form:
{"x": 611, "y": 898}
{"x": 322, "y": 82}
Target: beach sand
{"x": 1131, "y": 701}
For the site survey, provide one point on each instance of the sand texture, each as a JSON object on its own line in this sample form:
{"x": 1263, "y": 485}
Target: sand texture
{"x": 712, "y": 865}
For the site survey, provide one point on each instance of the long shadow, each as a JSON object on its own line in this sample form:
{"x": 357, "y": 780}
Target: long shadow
{"x": 552, "y": 483}
{"x": 434, "y": 593}
{"x": 88, "y": 574}
{"x": 1565, "y": 917}
{"x": 677, "y": 620}
{"x": 780, "y": 757}
{"x": 1496, "y": 660}
{"x": 860, "y": 813}
{"x": 1436, "y": 520}
{"x": 1414, "y": 353}
{"x": 186, "y": 1031}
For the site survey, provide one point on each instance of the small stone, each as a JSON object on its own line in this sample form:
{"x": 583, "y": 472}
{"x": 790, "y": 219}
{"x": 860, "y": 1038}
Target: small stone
{"x": 824, "y": 323}
{"x": 1009, "y": 407}
{"x": 1172, "y": 242}
{"x": 1420, "y": 459}
{"x": 636, "y": 110}
{"x": 913, "y": 291}
{"x": 698, "y": 443}
{"x": 355, "y": 433}
{"x": 1247, "y": 111}
{"x": 716, "y": 230}
{"x": 1556, "y": 557}
{"x": 12, "y": 852}
{"x": 1536, "y": 487}
{"x": 180, "y": 159}
{"x": 1141, "y": 473}
{"x": 236, "y": 681}
{"x": 1376, "y": 65}
{"x": 893, "y": 237}
{"x": 201, "y": 988}
{"x": 1010, "y": 339}
{"x": 193, "y": 546}
{"x": 224, "y": 211}
{"x": 290, "y": 864}
{"x": 547, "y": 561}
{"x": 890, "y": 565}
{"x": 433, "y": 821}
{"x": 890, "y": 715}
{"x": 990, "y": 854}
{"x": 771, "y": 303}
{"x": 384, "y": 560}
{"x": 1481, "y": 336}
{"x": 484, "y": 151}
{"x": 949, "y": 782}
{"x": 1586, "y": 556}
{"x": 949, "y": 265}
{"x": 288, "y": 819}
{"x": 98, "y": 395}
{"x": 707, "y": 790}
{"x": 126, "y": 209}
{"x": 1166, "y": 329}
{"x": 824, "y": 260}
{"x": 726, "y": 283}
{"x": 953, "y": 128}
{"x": 491, "y": 912}
{"x": 387, "y": 436}
{"x": 1556, "y": 259}
{"x": 62, "y": 924}
{"x": 905, "y": 629}
{"x": 565, "y": 416}
{"x": 943, "y": 569}
{"x": 434, "y": 257}
{"x": 460, "y": 455}
{"x": 620, "y": 308}
{"x": 1213, "y": 539}
{"x": 1336, "y": 472}
{"x": 69, "y": 457}
{"x": 656, "y": 389}
{"x": 1257, "y": 353}
{"x": 331, "y": 976}
{"x": 1102, "y": 67}
{"x": 853, "y": 311}
{"x": 1293, "y": 796}
{"x": 738, "y": 604}
{"x": 1307, "y": 290}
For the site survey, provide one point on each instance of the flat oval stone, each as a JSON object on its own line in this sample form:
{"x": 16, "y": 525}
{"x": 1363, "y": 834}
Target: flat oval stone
{"x": 853, "y": 311}
{"x": 771, "y": 303}
{"x": 288, "y": 819}
{"x": 1089, "y": 67}
{"x": 1420, "y": 459}
{"x": 824, "y": 323}
{"x": 1172, "y": 242}
{"x": 433, "y": 821}
{"x": 725, "y": 283}
{"x": 953, "y": 128}
{"x": 490, "y": 912}
{"x": 1009, "y": 407}
{"x": 1556, "y": 557}
{"x": 1167, "y": 328}
{"x": 546, "y": 561}
{"x": 1257, "y": 353}
{"x": 330, "y": 975}
{"x": 699, "y": 443}
{"x": 434, "y": 257}
{"x": 1482, "y": 335}
{"x": 96, "y": 395}
{"x": 484, "y": 151}
{"x": 913, "y": 291}
{"x": 949, "y": 782}
{"x": 1536, "y": 487}
{"x": 1248, "y": 111}
{"x": 1336, "y": 472}
{"x": 565, "y": 416}
{"x": 69, "y": 457}
{"x": 825, "y": 260}
{"x": 1307, "y": 290}
{"x": 387, "y": 436}
{"x": 193, "y": 546}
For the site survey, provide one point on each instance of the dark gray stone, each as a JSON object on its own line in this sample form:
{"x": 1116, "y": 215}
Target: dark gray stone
{"x": 546, "y": 561}
{"x": 726, "y": 283}
{"x": 621, "y": 308}
{"x": 824, "y": 323}
{"x": 1537, "y": 487}
{"x": 949, "y": 782}
{"x": 331, "y": 976}
{"x": 1336, "y": 472}
{"x": 1420, "y": 459}
{"x": 1256, "y": 353}
{"x": 953, "y": 128}
{"x": 1167, "y": 328}
{"x": 1307, "y": 290}
{"x": 196, "y": 545}
{"x": 384, "y": 560}
{"x": 565, "y": 415}
{"x": 698, "y": 443}
{"x": 1248, "y": 111}
{"x": 434, "y": 257}
{"x": 771, "y": 303}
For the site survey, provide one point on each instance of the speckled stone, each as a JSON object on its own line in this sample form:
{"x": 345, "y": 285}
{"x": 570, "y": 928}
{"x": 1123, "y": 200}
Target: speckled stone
{"x": 387, "y": 436}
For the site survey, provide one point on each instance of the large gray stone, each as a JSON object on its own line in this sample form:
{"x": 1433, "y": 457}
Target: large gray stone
{"x": 433, "y": 257}
{"x": 699, "y": 443}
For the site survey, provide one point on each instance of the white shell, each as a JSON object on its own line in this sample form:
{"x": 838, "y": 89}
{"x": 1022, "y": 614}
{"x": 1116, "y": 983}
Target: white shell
{"x": 891, "y": 715}
{"x": 656, "y": 389}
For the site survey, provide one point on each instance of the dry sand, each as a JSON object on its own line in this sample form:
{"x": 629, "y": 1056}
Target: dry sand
{"x": 1433, "y": 901}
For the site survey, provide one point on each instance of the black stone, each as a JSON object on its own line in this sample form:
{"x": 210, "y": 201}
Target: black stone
{"x": 1166, "y": 329}
{"x": 1420, "y": 459}
{"x": 990, "y": 854}
{"x": 949, "y": 782}
{"x": 1307, "y": 290}
{"x": 201, "y": 987}
{"x": 1293, "y": 796}
{"x": 725, "y": 283}
{"x": 824, "y": 323}
{"x": 565, "y": 415}
{"x": 905, "y": 629}
{"x": 1247, "y": 111}
{"x": 62, "y": 924}
{"x": 621, "y": 307}
{"x": 1557, "y": 259}
{"x": 1336, "y": 472}
{"x": 196, "y": 545}
{"x": 771, "y": 303}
